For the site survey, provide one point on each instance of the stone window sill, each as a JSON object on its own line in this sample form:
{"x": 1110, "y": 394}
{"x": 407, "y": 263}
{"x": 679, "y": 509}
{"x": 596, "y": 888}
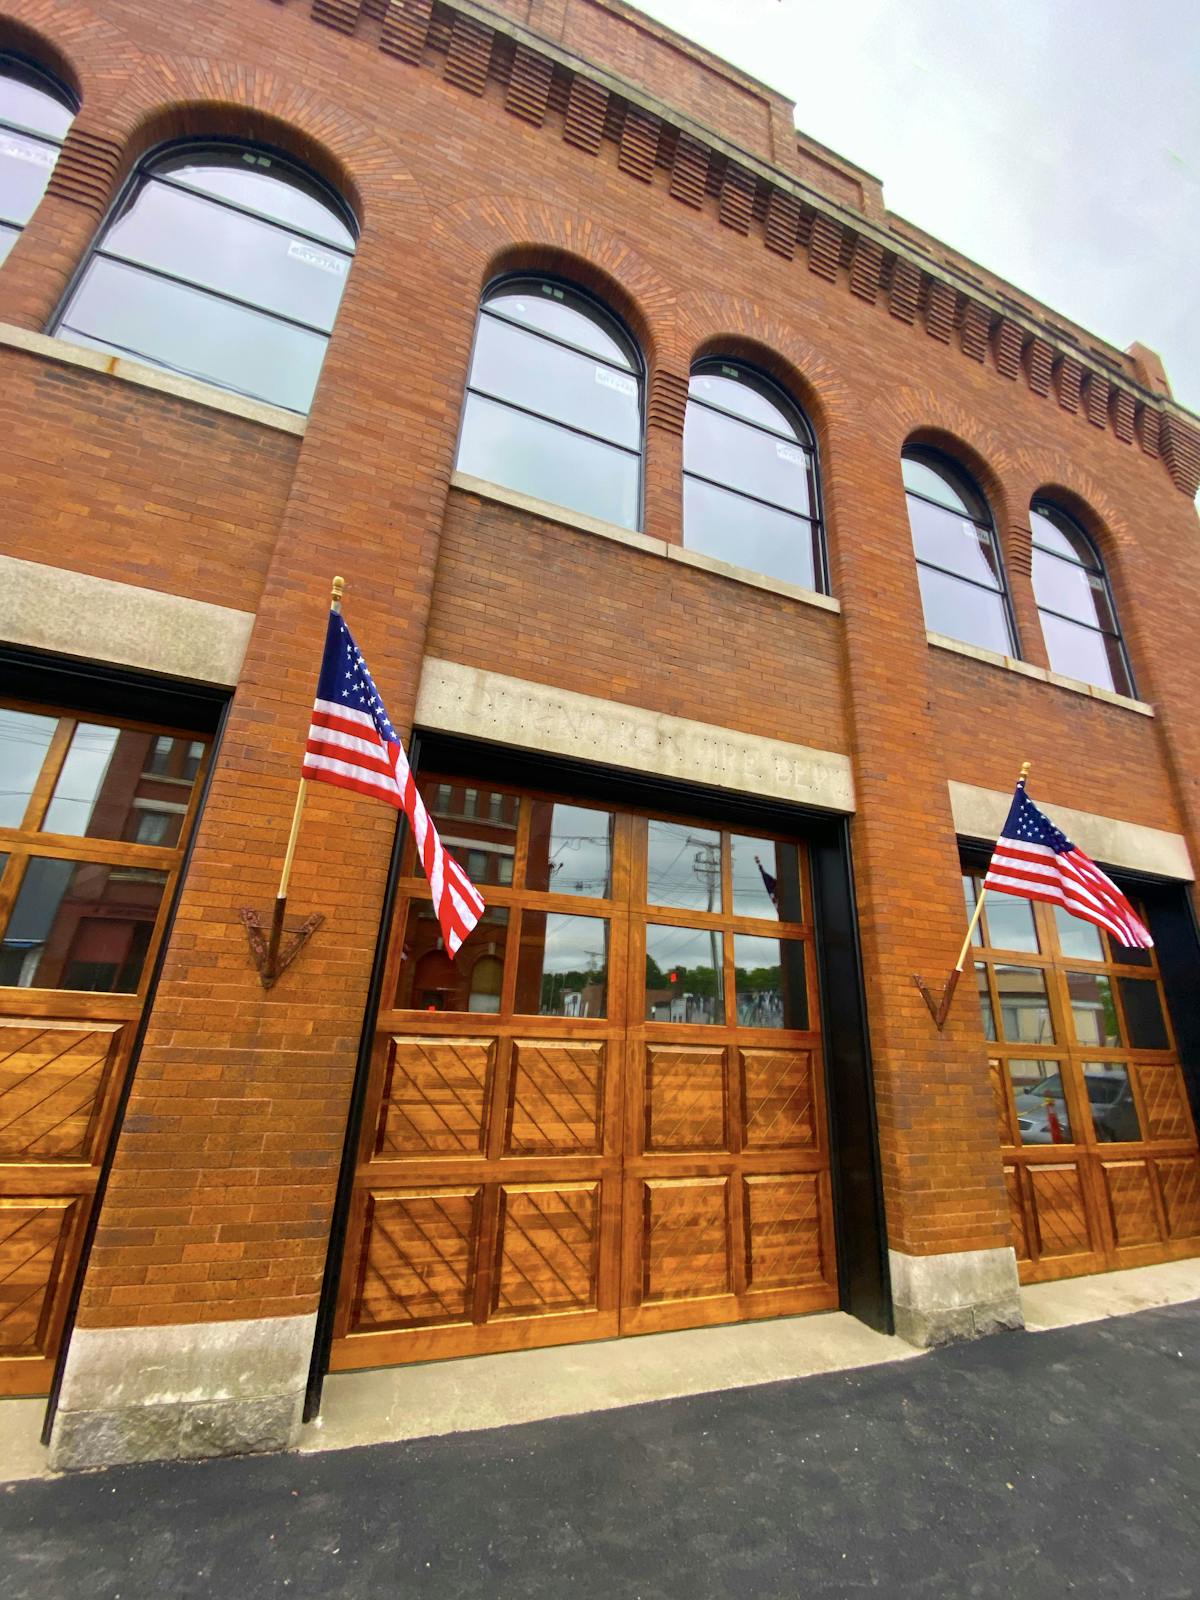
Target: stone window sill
{"x": 544, "y": 509}
{"x": 201, "y": 394}
{"x": 1026, "y": 669}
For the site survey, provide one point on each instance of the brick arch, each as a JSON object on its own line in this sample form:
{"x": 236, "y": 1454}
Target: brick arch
{"x": 1084, "y": 497}
{"x": 42, "y": 50}
{"x": 922, "y": 418}
{"x": 502, "y": 232}
{"x": 75, "y": 43}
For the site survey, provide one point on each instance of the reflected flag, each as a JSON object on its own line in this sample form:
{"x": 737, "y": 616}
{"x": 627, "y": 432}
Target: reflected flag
{"x": 1037, "y": 861}
{"x": 770, "y": 883}
{"x": 352, "y": 744}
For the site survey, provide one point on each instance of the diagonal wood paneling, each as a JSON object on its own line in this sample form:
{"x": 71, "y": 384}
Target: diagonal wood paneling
{"x": 557, "y": 1097}
{"x": 685, "y": 1098}
{"x": 777, "y": 1087}
{"x": 1059, "y": 1210}
{"x": 1130, "y": 1201}
{"x": 783, "y": 1232}
{"x": 548, "y": 1249}
{"x": 418, "y": 1258}
{"x": 435, "y": 1097}
{"x": 1181, "y": 1195}
{"x": 1016, "y": 1212}
{"x": 51, "y": 1074}
{"x": 31, "y": 1231}
{"x": 1163, "y": 1097}
{"x": 686, "y": 1238}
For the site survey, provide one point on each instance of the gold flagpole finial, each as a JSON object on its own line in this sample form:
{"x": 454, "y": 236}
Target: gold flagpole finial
{"x": 1025, "y": 766}
{"x": 335, "y": 600}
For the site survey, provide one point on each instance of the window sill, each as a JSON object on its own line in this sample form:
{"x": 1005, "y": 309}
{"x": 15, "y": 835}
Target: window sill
{"x": 548, "y": 512}
{"x": 201, "y": 394}
{"x": 1026, "y": 669}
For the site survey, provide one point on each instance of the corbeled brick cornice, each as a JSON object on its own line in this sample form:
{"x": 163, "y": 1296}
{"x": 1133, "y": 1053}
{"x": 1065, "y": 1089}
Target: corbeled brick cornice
{"x": 548, "y": 86}
{"x": 668, "y": 400}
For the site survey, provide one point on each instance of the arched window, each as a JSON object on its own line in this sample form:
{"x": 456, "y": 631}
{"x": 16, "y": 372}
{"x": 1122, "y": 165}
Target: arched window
{"x": 554, "y": 401}
{"x": 958, "y": 559}
{"x": 1079, "y": 620}
{"x": 750, "y": 476}
{"x": 222, "y": 262}
{"x": 35, "y": 113}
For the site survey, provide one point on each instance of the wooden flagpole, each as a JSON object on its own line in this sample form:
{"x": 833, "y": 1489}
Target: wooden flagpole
{"x": 270, "y": 970}
{"x": 939, "y": 1010}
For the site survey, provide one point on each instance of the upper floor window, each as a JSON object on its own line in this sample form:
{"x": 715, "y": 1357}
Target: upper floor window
{"x": 554, "y": 401}
{"x": 1079, "y": 620}
{"x": 750, "y": 476}
{"x": 35, "y": 113}
{"x": 958, "y": 559}
{"x": 221, "y": 262}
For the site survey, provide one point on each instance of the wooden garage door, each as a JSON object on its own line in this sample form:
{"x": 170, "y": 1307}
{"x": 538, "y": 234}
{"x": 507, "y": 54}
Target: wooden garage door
{"x": 1099, "y": 1145}
{"x": 607, "y": 1115}
{"x": 94, "y": 815}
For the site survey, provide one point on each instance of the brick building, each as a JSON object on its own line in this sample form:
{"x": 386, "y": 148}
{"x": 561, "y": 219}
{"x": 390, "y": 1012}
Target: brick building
{"x": 726, "y": 544}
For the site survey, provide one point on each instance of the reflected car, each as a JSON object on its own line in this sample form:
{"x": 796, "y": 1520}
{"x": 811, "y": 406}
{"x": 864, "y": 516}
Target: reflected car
{"x": 1042, "y": 1113}
{"x": 1042, "y": 1116}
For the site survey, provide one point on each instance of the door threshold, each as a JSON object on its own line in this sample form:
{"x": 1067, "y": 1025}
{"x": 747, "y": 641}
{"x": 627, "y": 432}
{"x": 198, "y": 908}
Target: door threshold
{"x": 424, "y": 1400}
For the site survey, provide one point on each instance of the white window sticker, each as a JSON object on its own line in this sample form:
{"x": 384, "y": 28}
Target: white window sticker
{"x": 615, "y": 380}
{"x": 788, "y": 452}
{"x": 299, "y": 251}
{"x": 35, "y": 154}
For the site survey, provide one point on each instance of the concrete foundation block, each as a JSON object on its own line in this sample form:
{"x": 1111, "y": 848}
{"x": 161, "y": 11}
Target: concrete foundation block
{"x": 944, "y": 1299}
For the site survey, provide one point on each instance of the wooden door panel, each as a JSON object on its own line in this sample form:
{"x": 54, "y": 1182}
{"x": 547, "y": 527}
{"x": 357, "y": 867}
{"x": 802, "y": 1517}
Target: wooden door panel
{"x": 784, "y": 1246}
{"x": 52, "y": 1077}
{"x": 33, "y": 1234}
{"x": 685, "y": 1098}
{"x": 1017, "y": 1211}
{"x": 779, "y": 1099}
{"x": 1131, "y": 1202}
{"x": 686, "y": 1238}
{"x": 418, "y": 1257}
{"x": 1164, "y": 1101}
{"x": 549, "y": 1249}
{"x": 435, "y": 1097}
{"x": 556, "y": 1097}
{"x": 1180, "y": 1181}
{"x": 1060, "y": 1212}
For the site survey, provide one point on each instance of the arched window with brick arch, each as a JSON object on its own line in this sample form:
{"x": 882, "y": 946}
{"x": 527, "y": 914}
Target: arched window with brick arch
{"x": 963, "y": 586}
{"x": 36, "y": 110}
{"x": 750, "y": 488}
{"x": 1075, "y": 603}
{"x": 554, "y": 400}
{"x": 223, "y": 262}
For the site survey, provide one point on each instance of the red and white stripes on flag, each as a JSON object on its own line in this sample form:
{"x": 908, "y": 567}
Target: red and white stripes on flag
{"x": 1037, "y": 861}
{"x": 352, "y": 744}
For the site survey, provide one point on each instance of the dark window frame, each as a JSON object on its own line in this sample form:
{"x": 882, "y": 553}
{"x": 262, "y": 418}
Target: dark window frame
{"x": 964, "y": 485}
{"x": 625, "y": 336}
{"x": 805, "y": 438}
{"x": 1074, "y": 530}
{"x": 138, "y": 179}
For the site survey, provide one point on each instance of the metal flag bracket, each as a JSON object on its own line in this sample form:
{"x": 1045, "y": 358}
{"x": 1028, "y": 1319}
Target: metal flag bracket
{"x": 270, "y": 954}
{"x": 939, "y": 1010}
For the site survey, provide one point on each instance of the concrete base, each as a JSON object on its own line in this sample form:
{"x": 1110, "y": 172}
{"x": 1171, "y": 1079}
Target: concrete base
{"x": 963, "y": 1294}
{"x": 201, "y": 1389}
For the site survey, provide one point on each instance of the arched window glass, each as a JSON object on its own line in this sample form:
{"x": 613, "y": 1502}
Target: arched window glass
{"x": 220, "y": 262}
{"x": 554, "y": 401}
{"x": 1079, "y": 620}
{"x": 750, "y": 476}
{"x": 958, "y": 559}
{"x": 35, "y": 113}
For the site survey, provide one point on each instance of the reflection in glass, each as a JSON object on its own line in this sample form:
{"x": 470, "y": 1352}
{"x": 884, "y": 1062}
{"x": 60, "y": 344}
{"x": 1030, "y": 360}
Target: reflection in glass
{"x": 985, "y": 1001}
{"x": 1093, "y": 1008}
{"x": 570, "y": 849}
{"x": 1010, "y": 922}
{"x": 117, "y": 783}
{"x": 683, "y": 866}
{"x": 81, "y": 925}
{"x": 35, "y": 114}
{"x": 1079, "y": 939}
{"x": 685, "y": 978}
{"x": 562, "y": 967}
{"x": 478, "y": 827}
{"x": 1024, "y": 1005}
{"x": 1040, "y": 1101}
{"x": 1143, "y": 1014}
{"x": 430, "y": 981}
{"x": 1073, "y": 596}
{"x": 958, "y": 560}
{"x": 1110, "y": 1095}
{"x": 538, "y": 375}
{"x": 766, "y": 878}
{"x": 962, "y": 610}
{"x": 261, "y": 183}
{"x": 24, "y": 740}
{"x": 728, "y": 527}
{"x": 770, "y": 988}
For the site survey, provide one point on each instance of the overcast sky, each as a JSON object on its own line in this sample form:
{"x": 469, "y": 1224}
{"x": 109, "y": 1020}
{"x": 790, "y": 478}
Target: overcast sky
{"x": 1056, "y": 142}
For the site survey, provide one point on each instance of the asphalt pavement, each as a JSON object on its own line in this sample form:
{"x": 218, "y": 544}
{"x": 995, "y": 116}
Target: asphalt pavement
{"x": 1025, "y": 1465}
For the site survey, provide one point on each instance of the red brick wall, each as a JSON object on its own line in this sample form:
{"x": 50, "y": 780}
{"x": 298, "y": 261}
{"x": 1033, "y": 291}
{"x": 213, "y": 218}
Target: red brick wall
{"x": 220, "y": 1196}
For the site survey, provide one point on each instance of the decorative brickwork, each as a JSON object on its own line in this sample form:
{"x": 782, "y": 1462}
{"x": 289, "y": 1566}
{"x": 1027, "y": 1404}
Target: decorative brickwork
{"x": 905, "y": 292}
{"x": 529, "y": 86}
{"x": 1124, "y": 409}
{"x": 1039, "y": 365}
{"x": 1007, "y": 342}
{"x": 1096, "y": 394}
{"x": 782, "y": 223}
{"x": 639, "y": 144}
{"x": 1149, "y": 423}
{"x": 668, "y": 400}
{"x": 940, "y": 302}
{"x": 973, "y": 334}
{"x": 1181, "y": 451}
{"x": 1018, "y": 550}
{"x": 866, "y": 268}
{"x": 340, "y": 14}
{"x": 689, "y": 171}
{"x": 469, "y": 54}
{"x": 86, "y": 169}
{"x": 736, "y": 203}
{"x": 406, "y": 28}
{"x": 583, "y": 124}
{"x": 1068, "y": 382}
{"x": 825, "y": 247}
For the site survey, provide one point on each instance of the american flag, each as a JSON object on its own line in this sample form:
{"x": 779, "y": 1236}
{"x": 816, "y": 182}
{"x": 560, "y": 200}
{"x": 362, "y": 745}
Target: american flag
{"x": 1036, "y": 860}
{"x": 351, "y": 743}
